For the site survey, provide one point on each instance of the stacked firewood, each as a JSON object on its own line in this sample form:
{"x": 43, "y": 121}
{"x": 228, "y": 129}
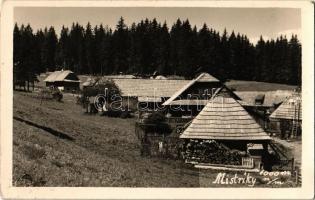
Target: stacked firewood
{"x": 210, "y": 151}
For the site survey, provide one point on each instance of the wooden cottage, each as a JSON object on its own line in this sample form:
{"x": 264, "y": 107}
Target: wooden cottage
{"x": 260, "y": 104}
{"x": 192, "y": 97}
{"x": 181, "y": 111}
{"x": 65, "y": 80}
{"x": 148, "y": 94}
{"x": 143, "y": 95}
{"x": 221, "y": 134}
{"x": 289, "y": 116}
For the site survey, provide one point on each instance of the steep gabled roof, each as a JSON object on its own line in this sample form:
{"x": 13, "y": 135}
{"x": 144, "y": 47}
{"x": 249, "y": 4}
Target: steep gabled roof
{"x": 222, "y": 91}
{"x": 223, "y": 118}
{"x": 204, "y": 77}
{"x": 61, "y": 76}
{"x": 290, "y": 109}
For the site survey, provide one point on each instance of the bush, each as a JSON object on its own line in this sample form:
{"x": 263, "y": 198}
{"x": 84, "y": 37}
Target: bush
{"x": 51, "y": 93}
{"x": 100, "y": 89}
{"x": 57, "y": 95}
{"x": 156, "y": 123}
{"x": 118, "y": 113}
{"x": 125, "y": 114}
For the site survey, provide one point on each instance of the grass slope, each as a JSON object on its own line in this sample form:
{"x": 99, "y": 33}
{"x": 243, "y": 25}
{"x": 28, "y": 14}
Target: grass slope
{"x": 101, "y": 152}
{"x": 55, "y": 144}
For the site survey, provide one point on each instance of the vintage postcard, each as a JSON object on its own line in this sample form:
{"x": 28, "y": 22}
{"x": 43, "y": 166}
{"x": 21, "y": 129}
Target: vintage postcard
{"x": 157, "y": 99}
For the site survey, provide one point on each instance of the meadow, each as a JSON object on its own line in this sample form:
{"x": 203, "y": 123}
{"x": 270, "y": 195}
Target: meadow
{"x": 57, "y": 144}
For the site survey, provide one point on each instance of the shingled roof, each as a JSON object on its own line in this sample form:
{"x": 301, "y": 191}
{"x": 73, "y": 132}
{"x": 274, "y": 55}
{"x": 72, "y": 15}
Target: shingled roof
{"x": 64, "y": 75}
{"x": 223, "y": 118}
{"x": 290, "y": 109}
{"x": 149, "y": 87}
{"x": 222, "y": 91}
{"x": 203, "y": 77}
{"x": 271, "y": 98}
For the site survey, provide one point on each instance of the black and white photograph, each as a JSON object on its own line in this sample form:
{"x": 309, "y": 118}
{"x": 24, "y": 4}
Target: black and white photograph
{"x": 158, "y": 96}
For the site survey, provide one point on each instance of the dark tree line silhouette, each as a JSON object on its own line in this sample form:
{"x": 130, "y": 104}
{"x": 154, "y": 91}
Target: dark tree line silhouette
{"x": 149, "y": 46}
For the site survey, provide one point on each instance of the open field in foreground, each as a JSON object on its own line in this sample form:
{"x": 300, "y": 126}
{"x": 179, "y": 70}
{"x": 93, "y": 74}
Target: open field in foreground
{"x": 56, "y": 144}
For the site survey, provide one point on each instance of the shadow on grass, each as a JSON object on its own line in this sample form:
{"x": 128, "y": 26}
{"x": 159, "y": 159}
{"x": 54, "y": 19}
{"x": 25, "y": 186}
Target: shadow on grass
{"x": 49, "y": 130}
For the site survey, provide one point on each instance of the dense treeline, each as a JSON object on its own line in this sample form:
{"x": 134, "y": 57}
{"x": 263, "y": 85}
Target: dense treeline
{"x": 150, "y": 46}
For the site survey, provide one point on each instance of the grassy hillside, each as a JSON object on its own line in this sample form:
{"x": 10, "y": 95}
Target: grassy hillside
{"x": 56, "y": 144}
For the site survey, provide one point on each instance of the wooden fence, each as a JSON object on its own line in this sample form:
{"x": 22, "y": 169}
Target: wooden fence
{"x": 247, "y": 162}
{"x": 161, "y": 146}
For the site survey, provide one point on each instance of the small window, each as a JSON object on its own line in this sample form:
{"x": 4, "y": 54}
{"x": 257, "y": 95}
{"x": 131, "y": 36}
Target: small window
{"x": 259, "y": 100}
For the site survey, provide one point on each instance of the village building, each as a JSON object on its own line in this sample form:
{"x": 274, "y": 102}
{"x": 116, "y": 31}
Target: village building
{"x": 288, "y": 116}
{"x": 190, "y": 99}
{"x": 260, "y": 104}
{"x": 148, "y": 94}
{"x": 65, "y": 80}
{"x": 143, "y": 95}
{"x": 186, "y": 103}
{"x": 225, "y": 122}
{"x": 179, "y": 123}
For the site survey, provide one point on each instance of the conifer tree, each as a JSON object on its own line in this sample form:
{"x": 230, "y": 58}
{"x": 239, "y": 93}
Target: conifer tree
{"x": 121, "y": 44}
{"x": 148, "y": 46}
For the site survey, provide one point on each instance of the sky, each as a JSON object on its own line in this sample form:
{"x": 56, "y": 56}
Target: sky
{"x": 253, "y": 22}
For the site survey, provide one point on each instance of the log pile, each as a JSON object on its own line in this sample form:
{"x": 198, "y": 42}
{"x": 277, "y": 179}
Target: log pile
{"x": 210, "y": 151}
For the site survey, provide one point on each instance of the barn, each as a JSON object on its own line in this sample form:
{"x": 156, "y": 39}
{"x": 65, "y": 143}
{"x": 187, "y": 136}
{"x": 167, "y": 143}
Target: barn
{"x": 65, "y": 80}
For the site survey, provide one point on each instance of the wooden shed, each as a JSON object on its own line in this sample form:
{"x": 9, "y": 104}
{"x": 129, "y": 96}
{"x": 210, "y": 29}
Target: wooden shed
{"x": 65, "y": 80}
{"x": 225, "y": 123}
